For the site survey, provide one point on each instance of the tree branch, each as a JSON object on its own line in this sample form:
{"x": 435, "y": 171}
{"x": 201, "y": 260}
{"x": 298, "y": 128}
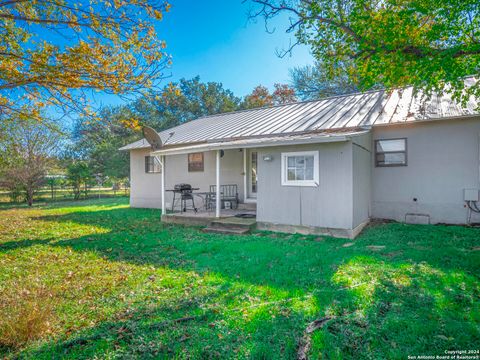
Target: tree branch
{"x": 43, "y": 21}
{"x": 274, "y": 10}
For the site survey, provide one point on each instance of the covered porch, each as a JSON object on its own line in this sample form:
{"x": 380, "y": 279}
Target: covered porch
{"x": 235, "y": 162}
{"x": 222, "y": 184}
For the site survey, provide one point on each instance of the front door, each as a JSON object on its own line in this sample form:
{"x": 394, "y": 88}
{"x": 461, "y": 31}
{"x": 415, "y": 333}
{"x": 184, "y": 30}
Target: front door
{"x": 252, "y": 174}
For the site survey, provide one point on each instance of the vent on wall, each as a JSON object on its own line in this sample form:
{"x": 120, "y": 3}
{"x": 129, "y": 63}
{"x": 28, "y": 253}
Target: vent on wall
{"x": 418, "y": 219}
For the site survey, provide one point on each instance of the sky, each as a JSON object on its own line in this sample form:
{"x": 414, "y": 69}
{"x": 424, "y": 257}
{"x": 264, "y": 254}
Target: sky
{"x": 215, "y": 40}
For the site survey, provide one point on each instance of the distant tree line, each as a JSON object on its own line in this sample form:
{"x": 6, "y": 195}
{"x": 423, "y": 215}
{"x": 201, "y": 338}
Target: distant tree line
{"x": 36, "y": 154}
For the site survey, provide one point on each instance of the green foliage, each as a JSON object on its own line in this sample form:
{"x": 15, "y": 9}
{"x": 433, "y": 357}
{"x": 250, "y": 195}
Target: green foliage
{"x": 97, "y": 142}
{"x": 79, "y": 175}
{"x": 184, "y": 101}
{"x": 311, "y": 82}
{"x": 124, "y": 285}
{"x": 429, "y": 44}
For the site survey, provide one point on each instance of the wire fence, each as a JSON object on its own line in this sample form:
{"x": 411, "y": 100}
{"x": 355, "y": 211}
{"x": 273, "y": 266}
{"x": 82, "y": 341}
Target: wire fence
{"x": 60, "y": 193}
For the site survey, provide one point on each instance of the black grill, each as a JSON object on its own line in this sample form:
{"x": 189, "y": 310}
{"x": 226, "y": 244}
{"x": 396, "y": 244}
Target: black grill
{"x": 183, "y": 188}
{"x": 185, "y": 192}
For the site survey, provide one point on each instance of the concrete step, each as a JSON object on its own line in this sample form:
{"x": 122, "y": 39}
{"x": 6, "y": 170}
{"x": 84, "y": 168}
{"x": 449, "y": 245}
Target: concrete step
{"x": 234, "y": 222}
{"x": 247, "y": 206}
{"x": 226, "y": 230}
{"x": 231, "y": 225}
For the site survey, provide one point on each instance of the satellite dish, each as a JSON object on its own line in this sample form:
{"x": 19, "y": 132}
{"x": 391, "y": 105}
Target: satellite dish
{"x": 152, "y": 137}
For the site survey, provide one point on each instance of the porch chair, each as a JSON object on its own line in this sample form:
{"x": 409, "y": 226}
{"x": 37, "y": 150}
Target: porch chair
{"x": 227, "y": 193}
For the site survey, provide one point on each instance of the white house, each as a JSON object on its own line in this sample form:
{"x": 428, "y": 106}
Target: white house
{"x": 326, "y": 166}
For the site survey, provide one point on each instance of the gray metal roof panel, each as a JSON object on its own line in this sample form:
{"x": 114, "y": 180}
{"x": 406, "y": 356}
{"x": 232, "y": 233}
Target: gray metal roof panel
{"x": 335, "y": 113}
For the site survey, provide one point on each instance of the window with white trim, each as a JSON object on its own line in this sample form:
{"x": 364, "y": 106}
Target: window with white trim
{"x": 300, "y": 168}
{"x": 152, "y": 165}
{"x": 391, "y": 152}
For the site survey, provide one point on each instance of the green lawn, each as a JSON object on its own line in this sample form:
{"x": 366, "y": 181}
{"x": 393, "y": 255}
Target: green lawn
{"x": 98, "y": 279}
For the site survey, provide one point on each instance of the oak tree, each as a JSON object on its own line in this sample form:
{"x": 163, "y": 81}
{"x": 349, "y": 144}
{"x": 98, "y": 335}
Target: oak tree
{"x": 57, "y": 52}
{"x": 429, "y": 44}
{"x": 311, "y": 82}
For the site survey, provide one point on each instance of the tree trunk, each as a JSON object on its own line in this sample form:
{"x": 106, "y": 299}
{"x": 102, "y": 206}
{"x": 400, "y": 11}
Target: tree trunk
{"x": 76, "y": 191}
{"x": 29, "y": 197}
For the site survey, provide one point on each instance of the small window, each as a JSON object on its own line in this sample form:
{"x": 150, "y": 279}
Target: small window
{"x": 195, "y": 162}
{"x": 152, "y": 165}
{"x": 300, "y": 168}
{"x": 392, "y": 152}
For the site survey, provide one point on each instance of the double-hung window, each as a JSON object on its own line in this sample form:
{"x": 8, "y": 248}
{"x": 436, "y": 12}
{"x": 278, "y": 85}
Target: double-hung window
{"x": 300, "y": 168}
{"x": 391, "y": 152}
{"x": 152, "y": 165}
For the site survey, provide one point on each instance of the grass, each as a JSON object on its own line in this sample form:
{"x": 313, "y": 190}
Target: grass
{"x": 96, "y": 279}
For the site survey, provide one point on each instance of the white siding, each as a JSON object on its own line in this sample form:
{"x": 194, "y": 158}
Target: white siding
{"x": 145, "y": 188}
{"x": 443, "y": 159}
{"x": 328, "y": 206}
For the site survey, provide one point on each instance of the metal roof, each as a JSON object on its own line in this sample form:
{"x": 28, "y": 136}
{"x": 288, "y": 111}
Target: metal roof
{"x": 353, "y": 111}
{"x": 257, "y": 142}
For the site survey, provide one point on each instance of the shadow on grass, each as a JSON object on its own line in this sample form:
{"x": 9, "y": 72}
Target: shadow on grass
{"x": 139, "y": 237}
{"x": 398, "y": 311}
{"x": 407, "y": 308}
{"x": 398, "y": 289}
{"x": 181, "y": 330}
{"x": 13, "y": 245}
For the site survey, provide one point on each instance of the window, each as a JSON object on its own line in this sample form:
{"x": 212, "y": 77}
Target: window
{"x": 152, "y": 165}
{"x": 300, "y": 168}
{"x": 392, "y": 152}
{"x": 195, "y": 162}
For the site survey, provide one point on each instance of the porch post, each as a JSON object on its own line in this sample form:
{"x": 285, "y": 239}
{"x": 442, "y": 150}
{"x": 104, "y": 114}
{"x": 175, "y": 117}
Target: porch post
{"x": 162, "y": 164}
{"x": 217, "y": 195}
{"x": 245, "y": 190}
